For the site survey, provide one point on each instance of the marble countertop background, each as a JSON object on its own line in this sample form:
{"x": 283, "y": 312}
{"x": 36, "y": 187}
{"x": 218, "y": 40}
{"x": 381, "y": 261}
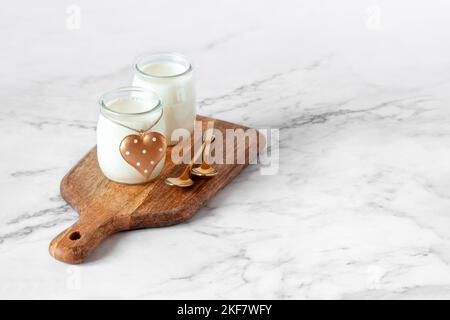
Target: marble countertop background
{"x": 360, "y": 91}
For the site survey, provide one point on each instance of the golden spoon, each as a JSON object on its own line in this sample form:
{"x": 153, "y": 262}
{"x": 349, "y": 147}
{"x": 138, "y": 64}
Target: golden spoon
{"x": 184, "y": 180}
{"x": 204, "y": 170}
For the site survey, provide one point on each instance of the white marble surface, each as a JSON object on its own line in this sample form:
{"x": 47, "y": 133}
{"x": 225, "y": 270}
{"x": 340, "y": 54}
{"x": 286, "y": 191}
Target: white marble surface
{"x": 360, "y": 207}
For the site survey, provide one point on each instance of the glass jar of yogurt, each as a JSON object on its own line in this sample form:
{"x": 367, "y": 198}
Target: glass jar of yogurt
{"x": 170, "y": 75}
{"x": 129, "y": 114}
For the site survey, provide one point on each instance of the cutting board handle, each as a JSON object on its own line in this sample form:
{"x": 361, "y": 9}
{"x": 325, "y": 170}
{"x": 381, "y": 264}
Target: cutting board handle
{"x": 74, "y": 244}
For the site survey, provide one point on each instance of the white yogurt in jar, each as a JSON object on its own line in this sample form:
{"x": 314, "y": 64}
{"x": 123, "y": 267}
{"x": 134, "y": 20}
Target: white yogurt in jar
{"x": 170, "y": 76}
{"x": 121, "y": 111}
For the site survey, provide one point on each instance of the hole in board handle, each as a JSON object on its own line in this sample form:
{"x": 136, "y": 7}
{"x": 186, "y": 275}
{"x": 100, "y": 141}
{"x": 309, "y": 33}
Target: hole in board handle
{"x": 74, "y": 236}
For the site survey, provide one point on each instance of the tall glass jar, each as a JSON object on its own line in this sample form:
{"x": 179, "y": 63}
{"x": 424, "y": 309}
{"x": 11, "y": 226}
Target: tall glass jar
{"x": 127, "y": 112}
{"x": 170, "y": 75}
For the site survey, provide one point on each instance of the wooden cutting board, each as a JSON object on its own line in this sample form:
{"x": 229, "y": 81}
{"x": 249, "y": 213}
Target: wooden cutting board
{"x": 106, "y": 207}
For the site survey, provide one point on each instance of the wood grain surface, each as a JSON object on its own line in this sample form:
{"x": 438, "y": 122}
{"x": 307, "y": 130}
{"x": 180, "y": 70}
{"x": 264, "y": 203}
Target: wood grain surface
{"x": 106, "y": 207}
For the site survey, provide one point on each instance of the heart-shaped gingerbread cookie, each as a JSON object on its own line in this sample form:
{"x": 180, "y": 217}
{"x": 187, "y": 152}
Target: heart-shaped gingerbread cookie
{"x": 143, "y": 152}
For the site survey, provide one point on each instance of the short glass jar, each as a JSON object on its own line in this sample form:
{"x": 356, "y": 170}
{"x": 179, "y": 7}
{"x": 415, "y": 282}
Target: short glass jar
{"x": 125, "y": 112}
{"x": 170, "y": 76}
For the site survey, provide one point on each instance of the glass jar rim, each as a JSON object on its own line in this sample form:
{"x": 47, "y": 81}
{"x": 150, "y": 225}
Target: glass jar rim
{"x": 146, "y": 58}
{"x": 110, "y": 95}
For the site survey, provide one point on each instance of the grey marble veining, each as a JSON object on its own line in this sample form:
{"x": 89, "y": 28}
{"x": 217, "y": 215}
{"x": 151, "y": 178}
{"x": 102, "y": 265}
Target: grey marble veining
{"x": 359, "y": 90}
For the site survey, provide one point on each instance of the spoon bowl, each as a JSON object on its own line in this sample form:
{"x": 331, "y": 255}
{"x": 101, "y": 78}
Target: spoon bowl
{"x": 204, "y": 171}
{"x": 183, "y": 183}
